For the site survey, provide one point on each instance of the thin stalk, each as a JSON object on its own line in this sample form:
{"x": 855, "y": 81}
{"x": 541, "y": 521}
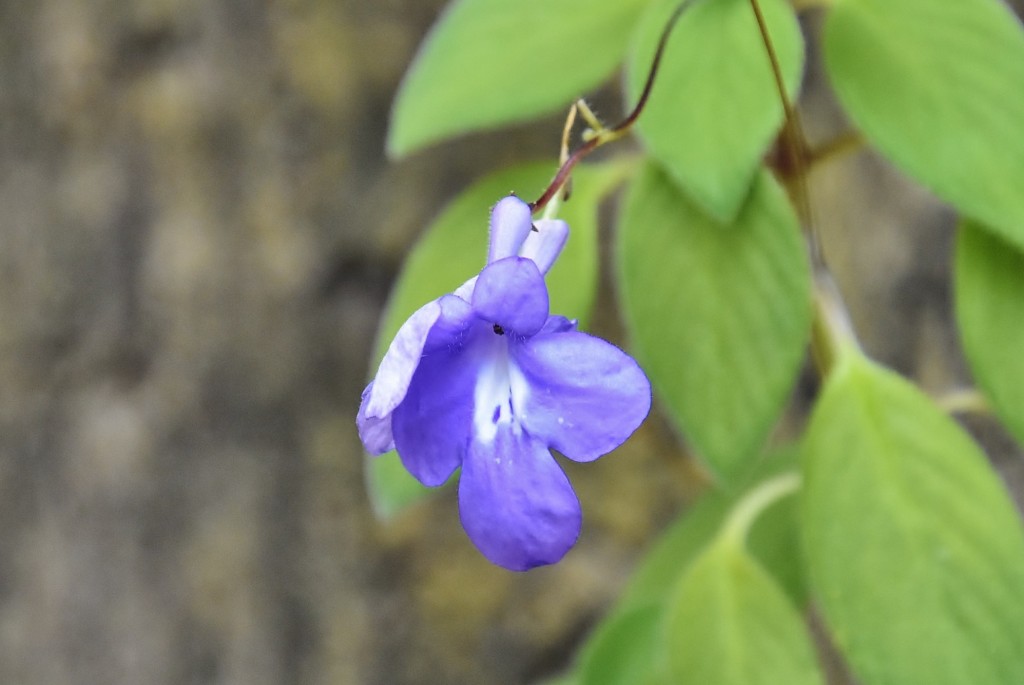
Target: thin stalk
{"x": 844, "y": 143}
{"x": 589, "y": 116}
{"x": 964, "y": 401}
{"x": 832, "y": 332}
{"x": 793, "y": 140}
{"x": 745, "y": 513}
{"x": 607, "y": 135}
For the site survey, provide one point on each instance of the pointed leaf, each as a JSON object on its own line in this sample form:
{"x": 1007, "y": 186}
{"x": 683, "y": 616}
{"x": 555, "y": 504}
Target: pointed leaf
{"x": 774, "y": 539}
{"x": 775, "y": 543}
{"x": 628, "y": 649}
{"x": 454, "y": 249}
{"x": 730, "y": 624}
{"x": 915, "y": 550}
{"x": 938, "y": 87}
{"x": 990, "y": 314}
{"x": 628, "y": 645}
{"x": 492, "y": 62}
{"x": 719, "y": 313}
{"x": 715, "y": 107}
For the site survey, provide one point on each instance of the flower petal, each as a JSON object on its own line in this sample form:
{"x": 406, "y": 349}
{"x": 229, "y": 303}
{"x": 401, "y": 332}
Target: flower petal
{"x": 558, "y": 324}
{"x": 452, "y": 327}
{"x": 375, "y": 432}
{"x": 439, "y": 323}
{"x": 515, "y": 502}
{"x": 465, "y": 291}
{"x": 433, "y": 423}
{"x": 511, "y": 293}
{"x": 545, "y": 244}
{"x": 582, "y": 396}
{"x": 511, "y": 221}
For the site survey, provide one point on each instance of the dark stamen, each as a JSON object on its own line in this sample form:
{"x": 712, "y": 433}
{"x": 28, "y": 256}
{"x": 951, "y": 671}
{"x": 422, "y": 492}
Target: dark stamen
{"x": 498, "y": 329}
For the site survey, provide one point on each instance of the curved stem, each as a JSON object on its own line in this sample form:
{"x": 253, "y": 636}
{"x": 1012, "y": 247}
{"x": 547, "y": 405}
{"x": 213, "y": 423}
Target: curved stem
{"x": 964, "y": 401}
{"x": 588, "y": 116}
{"x": 626, "y": 123}
{"x": 793, "y": 140}
{"x": 842, "y": 144}
{"x": 832, "y": 331}
{"x": 745, "y": 513}
{"x": 563, "y": 173}
{"x": 603, "y": 136}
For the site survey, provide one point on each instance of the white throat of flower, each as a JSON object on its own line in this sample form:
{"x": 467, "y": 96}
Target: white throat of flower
{"x": 500, "y": 394}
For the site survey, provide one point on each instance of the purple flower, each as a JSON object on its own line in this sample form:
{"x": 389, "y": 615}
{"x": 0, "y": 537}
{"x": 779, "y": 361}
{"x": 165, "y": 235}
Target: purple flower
{"x": 487, "y": 380}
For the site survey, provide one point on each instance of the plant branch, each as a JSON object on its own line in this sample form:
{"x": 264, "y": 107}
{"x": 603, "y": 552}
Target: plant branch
{"x": 964, "y": 401}
{"x": 753, "y": 504}
{"x": 842, "y": 144}
{"x": 793, "y": 140}
{"x": 607, "y": 135}
{"x": 832, "y": 331}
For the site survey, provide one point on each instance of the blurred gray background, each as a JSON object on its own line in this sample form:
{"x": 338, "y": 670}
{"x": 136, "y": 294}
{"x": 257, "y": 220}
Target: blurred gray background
{"x": 198, "y": 230}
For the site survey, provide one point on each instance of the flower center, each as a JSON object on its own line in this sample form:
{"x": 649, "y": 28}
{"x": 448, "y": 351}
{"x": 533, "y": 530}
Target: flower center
{"x": 500, "y": 391}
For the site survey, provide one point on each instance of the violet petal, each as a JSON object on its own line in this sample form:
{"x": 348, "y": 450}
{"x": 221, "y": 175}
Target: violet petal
{"x": 375, "y": 432}
{"x": 511, "y": 293}
{"x": 511, "y": 222}
{"x": 444, "y": 320}
{"x": 545, "y": 244}
{"x": 433, "y": 423}
{"x": 516, "y": 503}
{"x": 585, "y": 396}
{"x": 558, "y": 324}
{"x": 451, "y": 328}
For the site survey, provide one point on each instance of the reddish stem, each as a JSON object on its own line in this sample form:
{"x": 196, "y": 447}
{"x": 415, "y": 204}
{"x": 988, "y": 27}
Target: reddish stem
{"x": 566, "y": 169}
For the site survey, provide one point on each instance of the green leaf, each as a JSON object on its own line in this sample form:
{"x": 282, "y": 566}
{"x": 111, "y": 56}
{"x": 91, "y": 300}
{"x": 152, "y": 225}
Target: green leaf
{"x": 719, "y": 313}
{"x": 390, "y": 487}
{"x": 659, "y": 569}
{"x": 628, "y": 645}
{"x": 938, "y": 87}
{"x": 628, "y": 649}
{"x": 990, "y": 313}
{"x": 491, "y": 62}
{"x": 715, "y": 106}
{"x": 775, "y": 542}
{"x": 454, "y": 249}
{"x": 773, "y": 539}
{"x": 916, "y": 552}
{"x": 730, "y": 624}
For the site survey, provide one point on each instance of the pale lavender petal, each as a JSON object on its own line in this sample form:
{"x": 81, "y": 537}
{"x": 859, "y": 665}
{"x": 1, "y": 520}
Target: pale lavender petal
{"x": 515, "y": 502}
{"x": 443, "y": 320}
{"x": 579, "y": 394}
{"x": 452, "y": 326}
{"x": 465, "y": 291}
{"x": 511, "y": 221}
{"x": 375, "y": 432}
{"x": 511, "y": 294}
{"x": 433, "y": 423}
{"x": 558, "y": 324}
{"x": 545, "y": 244}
